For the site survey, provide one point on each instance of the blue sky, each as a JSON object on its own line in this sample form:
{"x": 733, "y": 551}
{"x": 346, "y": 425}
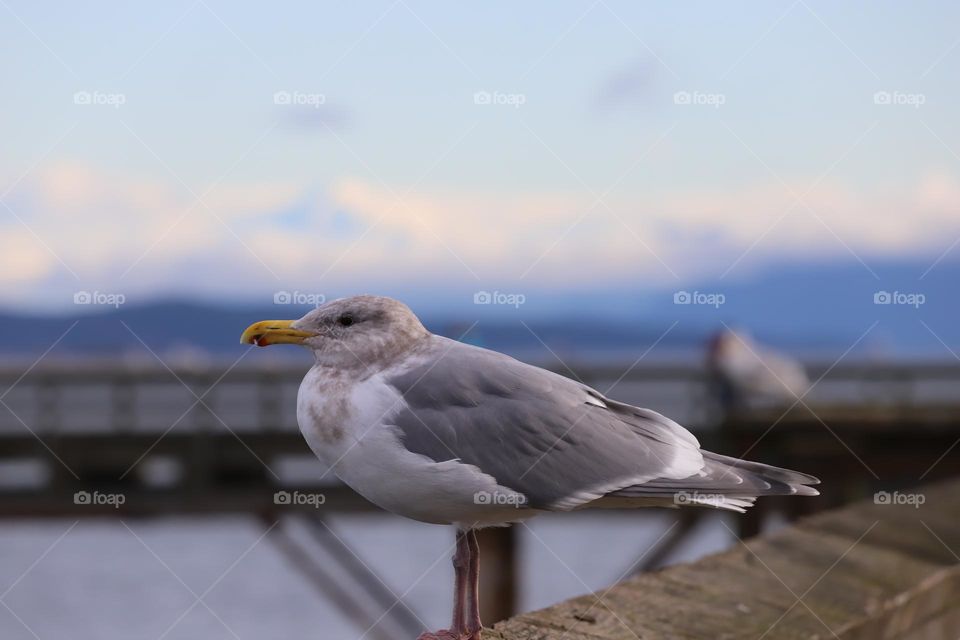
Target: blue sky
{"x": 184, "y": 176}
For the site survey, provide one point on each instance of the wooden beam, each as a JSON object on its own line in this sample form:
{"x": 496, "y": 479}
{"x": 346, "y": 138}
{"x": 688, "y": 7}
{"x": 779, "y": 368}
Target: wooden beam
{"x": 498, "y": 572}
{"x": 871, "y": 571}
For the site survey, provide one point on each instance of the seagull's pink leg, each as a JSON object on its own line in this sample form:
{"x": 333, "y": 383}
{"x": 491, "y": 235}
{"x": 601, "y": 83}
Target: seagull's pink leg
{"x": 461, "y": 566}
{"x": 474, "y": 626}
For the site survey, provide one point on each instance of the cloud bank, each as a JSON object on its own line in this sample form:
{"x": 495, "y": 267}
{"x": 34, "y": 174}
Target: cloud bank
{"x": 75, "y": 227}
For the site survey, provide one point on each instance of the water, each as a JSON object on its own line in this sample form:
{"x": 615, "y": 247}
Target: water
{"x": 103, "y": 581}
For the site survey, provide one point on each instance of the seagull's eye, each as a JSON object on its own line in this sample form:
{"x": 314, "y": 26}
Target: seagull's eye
{"x": 345, "y": 320}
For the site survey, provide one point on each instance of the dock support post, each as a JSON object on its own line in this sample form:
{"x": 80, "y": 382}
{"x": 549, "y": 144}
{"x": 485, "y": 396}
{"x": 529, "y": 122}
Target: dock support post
{"x": 498, "y": 573}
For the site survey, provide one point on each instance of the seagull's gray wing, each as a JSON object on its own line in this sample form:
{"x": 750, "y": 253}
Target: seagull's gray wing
{"x": 558, "y": 442}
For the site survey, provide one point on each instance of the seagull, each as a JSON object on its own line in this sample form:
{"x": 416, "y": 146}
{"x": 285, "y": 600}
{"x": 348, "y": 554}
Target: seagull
{"x": 448, "y": 433}
{"x": 741, "y": 369}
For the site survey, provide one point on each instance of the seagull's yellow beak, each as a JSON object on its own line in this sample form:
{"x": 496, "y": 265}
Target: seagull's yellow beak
{"x": 269, "y": 332}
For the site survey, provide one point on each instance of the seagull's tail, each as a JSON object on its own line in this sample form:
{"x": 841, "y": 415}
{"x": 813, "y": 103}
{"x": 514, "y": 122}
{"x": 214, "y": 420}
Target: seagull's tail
{"x": 724, "y": 483}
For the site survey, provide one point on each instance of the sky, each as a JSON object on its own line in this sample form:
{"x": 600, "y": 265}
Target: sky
{"x": 227, "y": 151}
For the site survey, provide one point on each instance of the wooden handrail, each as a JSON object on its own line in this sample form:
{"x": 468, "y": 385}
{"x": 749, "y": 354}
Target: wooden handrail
{"x": 883, "y": 568}
{"x": 149, "y": 371}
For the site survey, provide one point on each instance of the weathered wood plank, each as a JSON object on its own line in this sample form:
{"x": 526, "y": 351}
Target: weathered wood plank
{"x": 865, "y": 572}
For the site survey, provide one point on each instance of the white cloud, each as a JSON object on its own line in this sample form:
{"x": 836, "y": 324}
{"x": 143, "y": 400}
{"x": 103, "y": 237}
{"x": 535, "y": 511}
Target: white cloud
{"x": 22, "y": 258}
{"x": 101, "y": 223}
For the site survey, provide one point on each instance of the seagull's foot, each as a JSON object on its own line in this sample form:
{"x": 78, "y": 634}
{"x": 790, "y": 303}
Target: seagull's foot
{"x": 443, "y": 634}
{"x": 447, "y": 634}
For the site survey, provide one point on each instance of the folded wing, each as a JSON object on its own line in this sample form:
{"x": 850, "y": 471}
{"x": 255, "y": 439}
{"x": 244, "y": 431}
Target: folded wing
{"x": 558, "y": 442}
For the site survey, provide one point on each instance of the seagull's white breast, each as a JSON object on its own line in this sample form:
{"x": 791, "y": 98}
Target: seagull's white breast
{"x": 348, "y": 426}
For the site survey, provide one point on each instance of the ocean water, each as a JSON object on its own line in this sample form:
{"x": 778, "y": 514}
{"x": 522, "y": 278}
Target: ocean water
{"x": 141, "y": 579}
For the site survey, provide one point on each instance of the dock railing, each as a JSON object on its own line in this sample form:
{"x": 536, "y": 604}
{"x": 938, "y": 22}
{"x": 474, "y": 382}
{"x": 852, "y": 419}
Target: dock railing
{"x": 884, "y": 568}
{"x": 208, "y": 440}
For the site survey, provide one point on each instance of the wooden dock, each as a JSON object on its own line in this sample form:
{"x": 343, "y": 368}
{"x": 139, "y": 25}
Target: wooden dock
{"x": 225, "y": 437}
{"x": 871, "y": 571}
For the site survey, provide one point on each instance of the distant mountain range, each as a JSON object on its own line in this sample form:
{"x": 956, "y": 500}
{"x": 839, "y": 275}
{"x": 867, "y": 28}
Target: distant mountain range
{"x": 816, "y": 311}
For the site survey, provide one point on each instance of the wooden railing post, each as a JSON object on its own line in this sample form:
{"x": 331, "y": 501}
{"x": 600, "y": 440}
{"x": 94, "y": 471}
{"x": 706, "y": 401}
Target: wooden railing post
{"x": 498, "y": 573}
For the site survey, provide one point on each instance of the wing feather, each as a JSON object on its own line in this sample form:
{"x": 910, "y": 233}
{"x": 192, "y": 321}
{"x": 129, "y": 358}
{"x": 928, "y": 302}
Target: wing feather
{"x": 558, "y": 442}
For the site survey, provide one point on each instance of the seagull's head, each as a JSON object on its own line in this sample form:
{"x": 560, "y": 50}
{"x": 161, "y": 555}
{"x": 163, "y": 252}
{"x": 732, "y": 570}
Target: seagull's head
{"x": 360, "y": 330}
